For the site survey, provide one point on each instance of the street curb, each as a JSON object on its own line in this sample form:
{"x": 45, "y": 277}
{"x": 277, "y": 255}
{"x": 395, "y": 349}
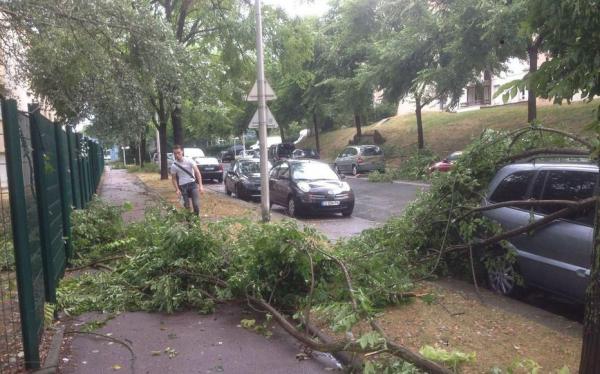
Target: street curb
{"x": 412, "y": 183}
{"x": 51, "y": 362}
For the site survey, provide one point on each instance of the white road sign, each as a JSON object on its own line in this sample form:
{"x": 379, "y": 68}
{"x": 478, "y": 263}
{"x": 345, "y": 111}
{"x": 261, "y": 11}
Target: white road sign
{"x": 271, "y": 123}
{"x": 253, "y": 94}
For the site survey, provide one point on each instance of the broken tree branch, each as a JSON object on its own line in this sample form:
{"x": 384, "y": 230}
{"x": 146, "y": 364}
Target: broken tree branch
{"x": 520, "y": 132}
{"x": 546, "y": 151}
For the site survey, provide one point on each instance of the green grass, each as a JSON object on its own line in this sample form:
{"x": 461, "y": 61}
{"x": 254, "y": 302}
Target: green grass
{"x": 448, "y": 132}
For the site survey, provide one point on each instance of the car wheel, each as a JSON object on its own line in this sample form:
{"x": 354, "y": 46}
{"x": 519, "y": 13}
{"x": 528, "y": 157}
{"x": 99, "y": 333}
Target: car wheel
{"x": 292, "y": 208}
{"x": 337, "y": 169}
{"x": 347, "y": 212}
{"x": 220, "y": 180}
{"x": 354, "y": 170}
{"x": 502, "y": 275}
{"x": 238, "y": 192}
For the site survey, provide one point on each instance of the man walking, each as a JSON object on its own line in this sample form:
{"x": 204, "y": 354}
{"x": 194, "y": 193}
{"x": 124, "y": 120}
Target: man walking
{"x": 186, "y": 179}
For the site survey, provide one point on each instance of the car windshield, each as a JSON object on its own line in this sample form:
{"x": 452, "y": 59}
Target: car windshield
{"x": 250, "y": 167}
{"x": 312, "y": 171}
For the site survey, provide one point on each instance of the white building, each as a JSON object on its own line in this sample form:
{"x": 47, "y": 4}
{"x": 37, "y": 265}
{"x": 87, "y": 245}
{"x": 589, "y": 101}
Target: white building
{"x": 481, "y": 94}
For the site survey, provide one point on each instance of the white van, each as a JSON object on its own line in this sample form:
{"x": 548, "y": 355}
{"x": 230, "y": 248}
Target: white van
{"x": 192, "y": 152}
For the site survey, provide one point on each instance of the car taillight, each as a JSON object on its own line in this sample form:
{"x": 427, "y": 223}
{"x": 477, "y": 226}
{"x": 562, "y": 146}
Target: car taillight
{"x": 360, "y": 160}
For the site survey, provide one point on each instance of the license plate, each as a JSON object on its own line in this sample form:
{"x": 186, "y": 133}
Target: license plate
{"x": 209, "y": 168}
{"x": 330, "y": 203}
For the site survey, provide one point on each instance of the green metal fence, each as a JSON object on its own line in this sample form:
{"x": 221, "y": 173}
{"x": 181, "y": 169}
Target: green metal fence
{"x": 48, "y": 172}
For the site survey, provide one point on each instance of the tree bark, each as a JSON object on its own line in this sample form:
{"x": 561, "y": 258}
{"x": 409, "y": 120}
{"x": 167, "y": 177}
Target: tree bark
{"x": 357, "y": 124}
{"x": 177, "y": 125}
{"x": 143, "y": 147}
{"x": 590, "y": 350}
{"x": 162, "y": 131}
{"x": 162, "y": 134}
{"x": 421, "y": 140}
{"x": 282, "y": 133}
{"x": 316, "y": 127}
{"x": 532, "y": 50}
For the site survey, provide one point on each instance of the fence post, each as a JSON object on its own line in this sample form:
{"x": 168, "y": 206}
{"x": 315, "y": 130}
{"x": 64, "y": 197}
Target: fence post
{"x": 80, "y": 165}
{"x": 28, "y": 272}
{"x": 64, "y": 173}
{"x": 74, "y": 166}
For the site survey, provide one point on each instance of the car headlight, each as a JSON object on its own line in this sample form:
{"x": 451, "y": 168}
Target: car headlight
{"x": 345, "y": 186}
{"x": 303, "y": 186}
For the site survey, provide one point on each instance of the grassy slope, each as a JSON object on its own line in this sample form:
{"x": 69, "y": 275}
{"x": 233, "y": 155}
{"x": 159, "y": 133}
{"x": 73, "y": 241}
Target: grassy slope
{"x": 447, "y": 132}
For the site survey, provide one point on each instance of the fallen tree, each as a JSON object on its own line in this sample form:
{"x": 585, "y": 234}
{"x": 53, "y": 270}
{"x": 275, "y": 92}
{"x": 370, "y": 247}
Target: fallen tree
{"x": 171, "y": 264}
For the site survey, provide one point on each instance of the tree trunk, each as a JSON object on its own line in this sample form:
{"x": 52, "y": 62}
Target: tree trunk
{"x": 590, "y": 350}
{"x": 177, "y": 125}
{"x": 316, "y": 126}
{"x": 357, "y": 124}
{"x": 282, "y": 133}
{"x": 421, "y": 140}
{"x": 162, "y": 133}
{"x": 143, "y": 147}
{"x": 532, "y": 50}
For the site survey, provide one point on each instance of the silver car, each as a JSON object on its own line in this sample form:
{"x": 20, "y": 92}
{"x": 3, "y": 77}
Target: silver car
{"x": 358, "y": 158}
{"x": 557, "y": 257}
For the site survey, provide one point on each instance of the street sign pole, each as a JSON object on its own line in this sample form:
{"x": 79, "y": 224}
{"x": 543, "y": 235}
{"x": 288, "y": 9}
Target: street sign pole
{"x": 262, "y": 123}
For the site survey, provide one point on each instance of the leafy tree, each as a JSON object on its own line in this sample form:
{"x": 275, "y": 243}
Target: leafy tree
{"x": 289, "y": 50}
{"x": 350, "y": 29}
{"x": 408, "y": 51}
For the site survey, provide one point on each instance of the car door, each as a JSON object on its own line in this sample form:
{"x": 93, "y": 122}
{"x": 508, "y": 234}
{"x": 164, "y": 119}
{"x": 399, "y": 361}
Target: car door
{"x": 345, "y": 163}
{"x": 514, "y": 187}
{"x": 230, "y": 177}
{"x": 563, "y": 249}
{"x": 273, "y": 189}
{"x": 280, "y": 184}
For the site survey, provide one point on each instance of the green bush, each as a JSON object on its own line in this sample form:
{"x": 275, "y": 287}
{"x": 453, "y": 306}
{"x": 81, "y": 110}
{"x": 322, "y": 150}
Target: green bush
{"x": 98, "y": 231}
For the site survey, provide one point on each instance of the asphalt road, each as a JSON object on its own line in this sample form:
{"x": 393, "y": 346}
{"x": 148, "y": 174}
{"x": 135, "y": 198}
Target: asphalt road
{"x": 374, "y": 204}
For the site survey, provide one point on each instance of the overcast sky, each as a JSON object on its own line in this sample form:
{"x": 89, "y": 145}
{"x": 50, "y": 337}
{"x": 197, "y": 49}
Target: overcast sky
{"x": 300, "y": 8}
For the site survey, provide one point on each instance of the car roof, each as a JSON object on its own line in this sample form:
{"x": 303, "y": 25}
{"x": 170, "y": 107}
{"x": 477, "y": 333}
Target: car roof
{"x": 212, "y": 159}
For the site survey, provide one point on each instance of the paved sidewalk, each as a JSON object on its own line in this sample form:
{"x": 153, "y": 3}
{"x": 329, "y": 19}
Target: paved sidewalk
{"x": 184, "y": 342}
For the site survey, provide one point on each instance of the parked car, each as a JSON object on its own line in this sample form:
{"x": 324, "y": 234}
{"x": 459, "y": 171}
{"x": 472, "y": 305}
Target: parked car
{"x": 170, "y": 159}
{"x": 304, "y": 186}
{"x": 229, "y": 154}
{"x": 244, "y": 153}
{"x": 358, "y": 158}
{"x": 281, "y": 151}
{"x": 243, "y": 178}
{"x": 557, "y": 257}
{"x": 210, "y": 168}
{"x": 192, "y": 153}
{"x": 305, "y": 153}
{"x": 445, "y": 164}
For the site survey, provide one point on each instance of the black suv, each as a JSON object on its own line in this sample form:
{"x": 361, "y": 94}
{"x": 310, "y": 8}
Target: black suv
{"x": 230, "y": 153}
{"x": 281, "y": 151}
